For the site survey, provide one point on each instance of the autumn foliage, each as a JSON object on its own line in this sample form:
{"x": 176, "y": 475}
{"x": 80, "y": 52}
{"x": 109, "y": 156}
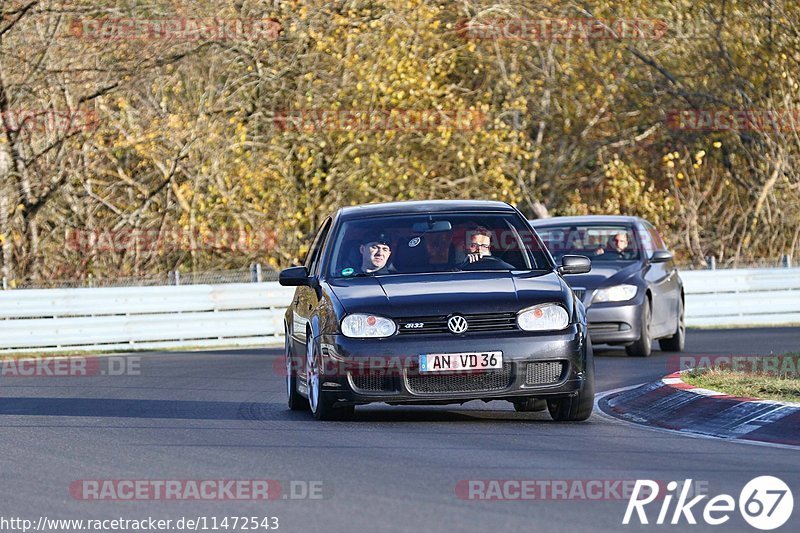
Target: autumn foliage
{"x": 256, "y": 119}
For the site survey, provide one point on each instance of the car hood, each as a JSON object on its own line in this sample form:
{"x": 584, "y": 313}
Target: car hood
{"x": 411, "y": 295}
{"x": 604, "y": 274}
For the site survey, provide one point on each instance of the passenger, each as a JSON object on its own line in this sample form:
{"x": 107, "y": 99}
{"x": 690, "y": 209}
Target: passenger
{"x": 375, "y": 253}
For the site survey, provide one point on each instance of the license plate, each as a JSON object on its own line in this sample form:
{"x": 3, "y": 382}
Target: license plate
{"x": 448, "y": 362}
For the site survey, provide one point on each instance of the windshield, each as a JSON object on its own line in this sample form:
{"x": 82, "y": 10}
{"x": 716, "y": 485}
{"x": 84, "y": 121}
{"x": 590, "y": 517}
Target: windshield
{"x": 598, "y": 242}
{"x": 441, "y": 242}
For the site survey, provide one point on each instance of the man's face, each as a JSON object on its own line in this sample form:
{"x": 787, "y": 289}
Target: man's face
{"x": 374, "y": 255}
{"x": 480, "y": 244}
{"x": 620, "y": 241}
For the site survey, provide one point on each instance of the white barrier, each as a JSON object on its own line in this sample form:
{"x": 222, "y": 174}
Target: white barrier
{"x": 142, "y": 317}
{"x": 742, "y": 297}
{"x": 252, "y": 313}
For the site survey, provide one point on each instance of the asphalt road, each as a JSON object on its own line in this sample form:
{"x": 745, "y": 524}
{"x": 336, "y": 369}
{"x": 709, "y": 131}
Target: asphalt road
{"x": 221, "y": 416}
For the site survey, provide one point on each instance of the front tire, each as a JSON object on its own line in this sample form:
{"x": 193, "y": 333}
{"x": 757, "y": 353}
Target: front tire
{"x": 295, "y": 399}
{"x": 643, "y": 346}
{"x": 576, "y": 408}
{"x": 320, "y": 402}
{"x": 677, "y": 342}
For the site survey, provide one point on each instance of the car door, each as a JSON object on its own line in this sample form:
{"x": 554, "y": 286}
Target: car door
{"x": 671, "y": 287}
{"x": 307, "y": 298}
{"x": 661, "y": 280}
{"x": 657, "y": 280}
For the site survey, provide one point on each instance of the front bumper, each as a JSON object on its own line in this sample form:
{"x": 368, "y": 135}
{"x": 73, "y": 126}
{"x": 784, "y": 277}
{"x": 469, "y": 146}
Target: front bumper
{"x": 391, "y": 365}
{"x": 615, "y": 322}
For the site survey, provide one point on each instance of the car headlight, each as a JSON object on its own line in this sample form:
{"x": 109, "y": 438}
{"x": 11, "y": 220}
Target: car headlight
{"x": 617, "y": 293}
{"x": 364, "y": 326}
{"x": 544, "y": 317}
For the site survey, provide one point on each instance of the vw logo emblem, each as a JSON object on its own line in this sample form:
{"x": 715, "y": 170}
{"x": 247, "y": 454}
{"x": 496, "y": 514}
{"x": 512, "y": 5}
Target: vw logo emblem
{"x": 457, "y": 324}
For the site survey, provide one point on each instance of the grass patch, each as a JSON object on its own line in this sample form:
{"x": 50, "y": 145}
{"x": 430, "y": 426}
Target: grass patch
{"x": 781, "y": 383}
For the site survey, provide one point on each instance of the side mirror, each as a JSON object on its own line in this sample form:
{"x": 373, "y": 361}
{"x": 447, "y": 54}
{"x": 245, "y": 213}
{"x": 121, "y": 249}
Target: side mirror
{"x": 575, "y": 264}
{"x": 660, "y": 256}
{"x": 294, "y": 277}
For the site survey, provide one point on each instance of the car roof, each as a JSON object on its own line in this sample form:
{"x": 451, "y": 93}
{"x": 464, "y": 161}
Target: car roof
{"x": 422, "y": 206}
{"x": 585, "y": 219}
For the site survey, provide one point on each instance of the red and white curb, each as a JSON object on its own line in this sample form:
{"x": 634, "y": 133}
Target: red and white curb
{"x": 673, "y": 404}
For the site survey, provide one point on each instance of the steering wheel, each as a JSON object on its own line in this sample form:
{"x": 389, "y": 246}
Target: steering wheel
{"x": 610, "y": 254}
{"x": 465, "y": 264}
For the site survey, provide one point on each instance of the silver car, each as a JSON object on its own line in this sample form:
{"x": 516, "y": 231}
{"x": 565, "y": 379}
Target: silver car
{"x": 633, "y": 293}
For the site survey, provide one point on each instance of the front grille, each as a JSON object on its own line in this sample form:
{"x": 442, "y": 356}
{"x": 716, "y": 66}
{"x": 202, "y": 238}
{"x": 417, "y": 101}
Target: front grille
{"x": 476, "y": 323}
{"x": 483, "y": 381}
{"x": 372, "y": 382}
{"x": 543, "y": 373}
{"x": 580, "y": 293}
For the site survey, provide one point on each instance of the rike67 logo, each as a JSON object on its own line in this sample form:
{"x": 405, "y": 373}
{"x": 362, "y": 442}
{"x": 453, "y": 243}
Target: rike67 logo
{"x": 765, "y": 503}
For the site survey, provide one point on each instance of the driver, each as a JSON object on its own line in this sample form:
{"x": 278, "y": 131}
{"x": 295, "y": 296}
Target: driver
{"x": 479, "y": 250}
{"x": 479, "y": 244}
{"x": 617, "y": 244}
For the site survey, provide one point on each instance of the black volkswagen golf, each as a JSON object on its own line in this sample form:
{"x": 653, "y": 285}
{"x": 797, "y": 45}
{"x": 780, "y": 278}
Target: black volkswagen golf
{"x": 435, "y": 302}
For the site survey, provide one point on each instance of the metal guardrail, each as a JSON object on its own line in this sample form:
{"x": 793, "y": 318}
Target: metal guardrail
{"x": 125, "y": 318}
{"x": 256, "y": 273}
{"x": 742, "y": 297}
